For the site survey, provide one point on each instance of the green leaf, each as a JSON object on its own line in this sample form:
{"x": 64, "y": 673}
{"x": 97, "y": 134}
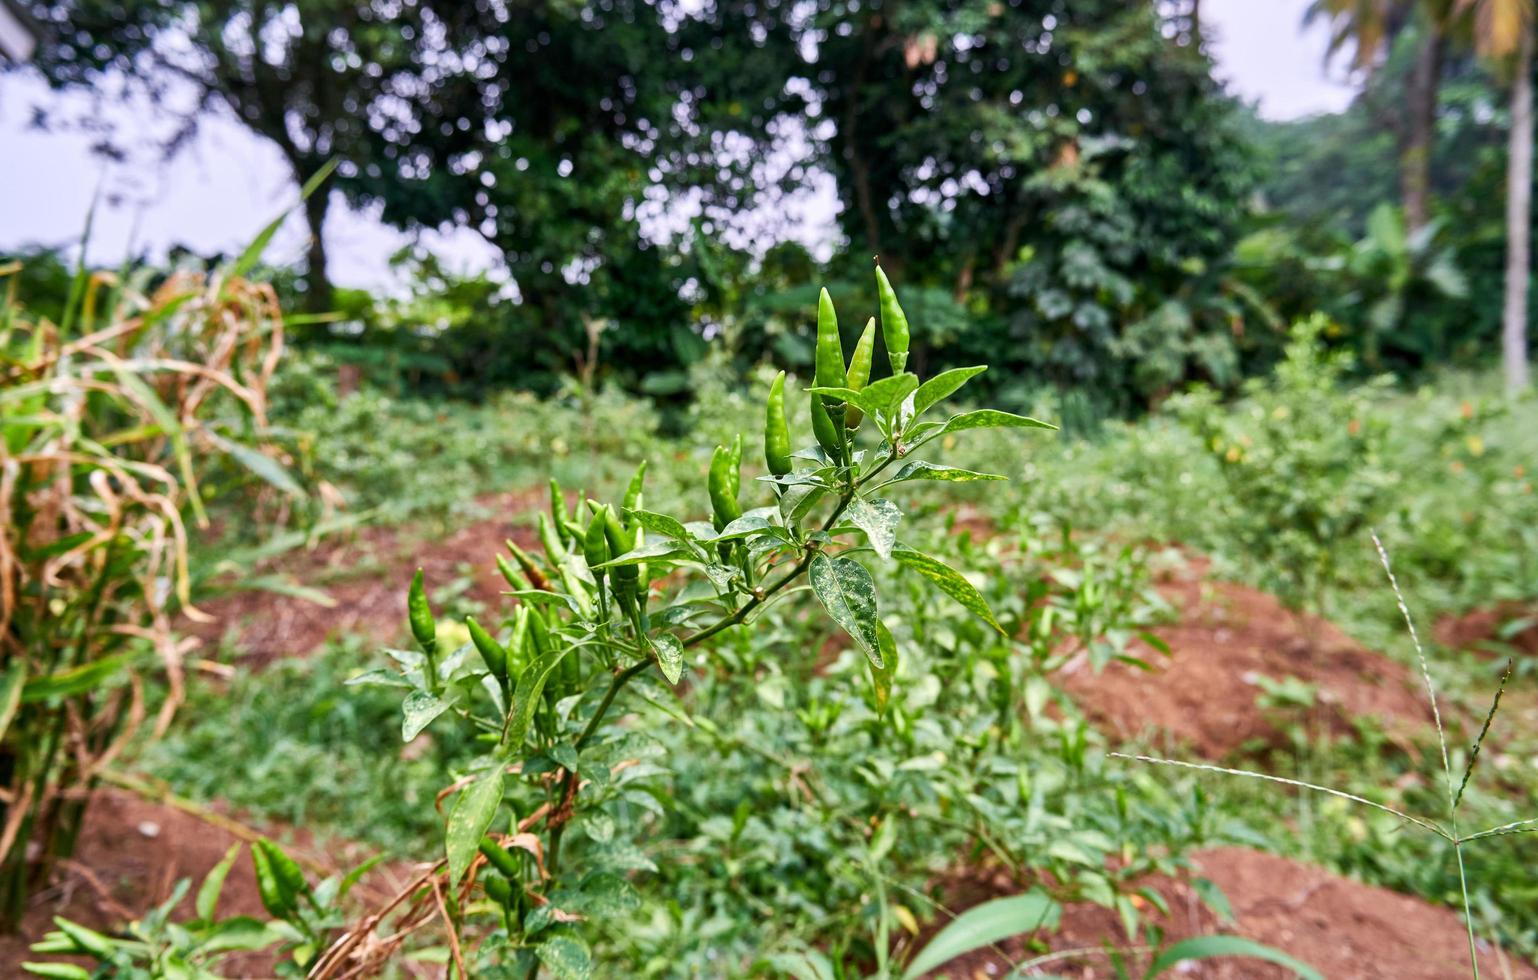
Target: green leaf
{"x": 10, "y": 693}
{"x": 879, "y": 396}
{"x": 1212, "y": 896}
{"x": 567, "y": 957}
{"x": 882, "y": 676}
{"x": 848, "y": 592}
{"x": 949, "y": 581}
{"x": 983, "y": 925}
{"x": 239, "y": 933}
{"x": 76, "y": 680}
{"x": 1207, "y": 947}
{"x": 670, "y": 655}
{"x": 878, "y": 519}
{"x": 253, "y": 252}
{"x": 942, "y": 386}
{"x": 920, "y": 470}
{"x": 419, "y": 709}
{"x": 988, "y": 418}
{"x": 279, "y": 882}
{"x": 260, "y": 465}
{"x": 660, "y": 524}
{"x": 806, "y": 965}
{"x": 469, "y": 820}
{"x": 650, "y": 551}
{"x": 213, "y": 883}
{"x": 57, "y": 971}
{"x": 742, "y": 527}
{"x": 526, "y": 697}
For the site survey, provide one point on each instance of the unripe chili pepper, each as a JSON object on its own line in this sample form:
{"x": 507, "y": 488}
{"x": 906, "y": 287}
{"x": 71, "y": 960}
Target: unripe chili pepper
{"x": 420, "y": 615}
{"x": 491, "y": 651}
{"x": 625, "y": 579}
{"x": 776, "y": 430}
{"x": 633, "y": 492}
{"x": 894, "y": 323}
{"x": 723, "y": 485}
{"x": 539, "y": 633}
{"x": 830, "y": 356}
{"x": 595, "y": 548}
{"x": 498, "y": 890}
{"x": 558, "y": 509}
{"x": 551, "y": 540}
{"x": 859, "y": 371}
{"x": 518, "y": 645}
{"x": 498, "y": 857}
{"x": 823, "y": 428}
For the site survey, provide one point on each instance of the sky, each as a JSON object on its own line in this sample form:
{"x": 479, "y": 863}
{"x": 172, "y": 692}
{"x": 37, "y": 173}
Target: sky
{"x": 217, "y": 193}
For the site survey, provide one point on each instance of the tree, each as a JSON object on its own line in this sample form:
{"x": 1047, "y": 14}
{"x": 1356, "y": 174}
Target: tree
{"x": 1057, "y": 171}
{"x": 1370, "y": 27}
{"x": 299, "y": 74}
{"x": 1503, "y": 31}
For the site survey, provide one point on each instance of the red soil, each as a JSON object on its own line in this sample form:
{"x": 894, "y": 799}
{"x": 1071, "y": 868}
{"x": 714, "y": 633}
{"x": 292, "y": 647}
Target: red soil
{"x": 267, "y": 626}
{"x": 1205, "y": 693}
{"x": 1340, "y": 927}
{"x": 129, "y": 857}
{"x": 1481, "y": 629}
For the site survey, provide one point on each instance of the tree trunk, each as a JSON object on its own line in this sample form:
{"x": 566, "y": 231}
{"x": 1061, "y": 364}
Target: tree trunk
{"x": 1519, "y": 190}
{"x": 318, "y": 296}
{"x": 1420, "y": 128}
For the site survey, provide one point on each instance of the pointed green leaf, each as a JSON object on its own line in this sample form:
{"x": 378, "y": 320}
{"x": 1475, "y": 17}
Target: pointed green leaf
{"x": 882, "y": 676}
{"x": 526, "y": 697}
{"x": 670, "y": 655}
{"x": 207, "y": 901}
{"x": 1207, "y": 947}
{"x": 847, "y": 591}
{"x": 10, "y": 693}
{"x": 918, "y": 469}
{"x": 567, "y": 957}
{"x": 878, "y": 519}
{"x": 983, "y": 925}
{"x": 660, "y": 524}
{"x": 942, "y": 386}
{"x": 469, "y": 820}
{"x": 949, "y": 581}
{"x": 262, "y": 466}
{"x": 988, "y": 418}
{"x": 419, "y": 709}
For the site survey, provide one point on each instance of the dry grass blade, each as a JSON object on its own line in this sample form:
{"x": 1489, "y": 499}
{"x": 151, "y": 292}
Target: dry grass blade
{"x": 1204, "y": 767}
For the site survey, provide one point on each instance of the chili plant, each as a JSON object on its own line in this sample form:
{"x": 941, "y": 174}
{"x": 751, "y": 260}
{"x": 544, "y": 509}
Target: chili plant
{"x": 622, "y": 592}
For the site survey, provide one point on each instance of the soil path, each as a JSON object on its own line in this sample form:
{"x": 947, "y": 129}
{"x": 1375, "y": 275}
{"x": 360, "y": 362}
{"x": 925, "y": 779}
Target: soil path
{"x": 366, "y": 575}
{"x": 1342, "y": 928}
{"x": 1206, "y": 693}
{"x": 1481, "y": 629}
{"x": 131, "y": 854}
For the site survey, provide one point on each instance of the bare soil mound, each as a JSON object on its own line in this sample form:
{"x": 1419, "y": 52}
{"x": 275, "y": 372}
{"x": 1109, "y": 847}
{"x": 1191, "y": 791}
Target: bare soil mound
{"x": 1482, "y": 629}
{"x": 1206, "y": 693}
{"x": 366, "y": 577}
{"x": 1340, "y": 927}
{"x": 130, "y": 855}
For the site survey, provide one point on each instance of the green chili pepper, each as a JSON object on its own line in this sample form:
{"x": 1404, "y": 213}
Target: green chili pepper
{"x": 830, "y": 373}
{"x": 518, "y": 645}
{"x": 633, "y": 492}
{"x": 539, "y": 633}
{"x": 723, "y": 485}
{"x": 776, "y": 431}
{"x": 494, "y": 653}
{"x": 551, "y": 539}
{"x": 499, "y": 857}
{"x": 894, "y": 323}
{"x": 558, "y": 510}
{"x": 823, "y": 428}
{"x": 859, "y": 370}
{"x": 420, "y": 615}
{"x": 595, "y": 548}
{"x": 625, "y": 579}
{"x": 498, "y": 889}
